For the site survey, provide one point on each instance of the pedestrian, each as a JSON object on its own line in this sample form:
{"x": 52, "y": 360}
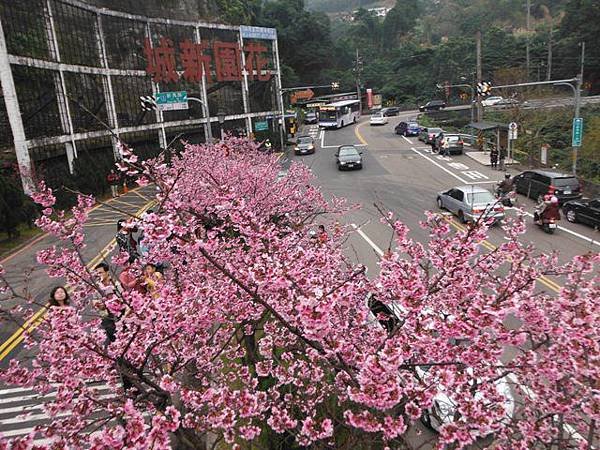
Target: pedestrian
{"x": 152, "y": 278}
{"x": 502, "y": 157}
{"x": 129, "y": 279}
{"x": 107, "y": 287}
{"x": 125, "y": 240}
{"x": 494, "y": 158}
{"x": 322, "y": 236}
{"x": 113, "y": 180}
{"x": 59, "y": 297}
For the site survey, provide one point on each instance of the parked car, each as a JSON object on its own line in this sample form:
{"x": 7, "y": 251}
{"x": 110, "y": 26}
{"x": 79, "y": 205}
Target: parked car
{"x": 493, "y": 100}
{"x": 378, "y": 119}
{"x": 304, "y": 145}
{"x": 428, "y": 135}
{"x": 508, "y": 103}
{"x": 311, "y": 117}
{"x": 348, "y": 157}
{"x": 584, "y": 211}
{"x": 391, "y": 111}
{"x": 453, "y": 142}
{"x": 433, "y": 105}
{"x": 471, "y": 203}
{"x": 537, "y": 183}
{"x": 408, "y": 128}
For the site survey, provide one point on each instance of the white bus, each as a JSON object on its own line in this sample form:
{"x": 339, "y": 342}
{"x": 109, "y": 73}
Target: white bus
{"x": 339, "y": 114}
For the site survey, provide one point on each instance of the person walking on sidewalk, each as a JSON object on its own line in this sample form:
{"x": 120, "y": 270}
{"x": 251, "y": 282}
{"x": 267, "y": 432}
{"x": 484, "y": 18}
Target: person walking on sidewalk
{"x": 502, "y": 157}
{"x": 113, "y": 180}
{"x": 494, "y": 158}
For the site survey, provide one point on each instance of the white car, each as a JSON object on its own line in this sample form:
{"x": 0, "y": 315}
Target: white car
{"x": 491, "y": 101}
{"x": 378, "y": 119}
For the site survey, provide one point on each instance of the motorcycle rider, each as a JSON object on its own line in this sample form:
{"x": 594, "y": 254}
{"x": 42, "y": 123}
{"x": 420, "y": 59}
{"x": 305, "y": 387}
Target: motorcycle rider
{"x": 506, "y": 185}
{"x": 547, "y": 210}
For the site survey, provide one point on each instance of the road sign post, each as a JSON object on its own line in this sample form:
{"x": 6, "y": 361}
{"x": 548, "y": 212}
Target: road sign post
{"x": 171, "y": 101}
{"x": 577, "y": 132}
{"x": 513, "y": 132}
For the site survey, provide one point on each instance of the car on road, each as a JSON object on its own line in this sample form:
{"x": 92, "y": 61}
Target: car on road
{"x": 304, "y": 145}
{"x": 537, "y": 183}
{"x": 493, "y": 100}
{"x": 390, "y": 111}
{"x": 428, "y": 135}
{"x": 452, "y": 142}
{"x": 508, "y": 103}
{"x": 408, "y": 129}
{"x": 433, "y": 105}
{"x": 471, "y": 203}
{"x": 378, "y": 119}
{"x": 311, "y": 117}
{"x": 583, "y": 211}
{"x": 348, "y": 157}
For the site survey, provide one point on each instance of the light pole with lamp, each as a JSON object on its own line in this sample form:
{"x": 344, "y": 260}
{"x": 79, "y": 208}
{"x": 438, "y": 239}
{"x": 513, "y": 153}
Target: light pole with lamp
{"x": 221, "y": 116}
{"x": 209, "y": 135}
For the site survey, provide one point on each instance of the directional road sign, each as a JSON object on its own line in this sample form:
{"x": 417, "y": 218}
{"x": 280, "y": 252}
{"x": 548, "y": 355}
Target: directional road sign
{"x": 577, "y": 132}
{"x": 261, "y": 126}
{"x": 170, "y": 101}
{"x": 513, "y": 130}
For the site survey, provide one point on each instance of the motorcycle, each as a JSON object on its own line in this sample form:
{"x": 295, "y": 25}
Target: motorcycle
{"x": 508, "y": 199}
{"x": 547, "y": 222}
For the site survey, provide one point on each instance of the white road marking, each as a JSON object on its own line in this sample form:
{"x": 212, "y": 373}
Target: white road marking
{"x": 408, "y": 140}
{"x": 574, "y": 233}
{"x": 440, "y": 166}
{"x": 475, "y": 175}
{"x": 458, "y": 166}
{"x": 512, "y": 377}
{"x": 368, "y": 239}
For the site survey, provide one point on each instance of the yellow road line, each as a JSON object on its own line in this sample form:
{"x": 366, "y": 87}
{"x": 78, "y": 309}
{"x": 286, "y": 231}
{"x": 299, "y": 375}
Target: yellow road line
{"x": 18, "y": 336}
{"x": 140, "y": 195}
{"x": 543, "y": 279}
{"x": 358, "y": 135}
{"x": 125, "y": 203}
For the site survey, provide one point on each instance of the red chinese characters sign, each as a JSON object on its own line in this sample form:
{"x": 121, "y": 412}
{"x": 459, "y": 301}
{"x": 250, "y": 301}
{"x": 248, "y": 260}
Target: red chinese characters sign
{"x": 226, "y": 60}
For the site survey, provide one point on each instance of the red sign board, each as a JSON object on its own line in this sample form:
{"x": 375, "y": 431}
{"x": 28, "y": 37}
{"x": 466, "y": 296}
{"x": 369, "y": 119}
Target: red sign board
{"x": 226, "y": 59}
{"x": 307, "y": 94}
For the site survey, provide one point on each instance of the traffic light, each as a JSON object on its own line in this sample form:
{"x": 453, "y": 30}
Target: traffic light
{"x": 147, "y": 102}
{"x": 484, "y": 88}
{"x": 335, "y": 86}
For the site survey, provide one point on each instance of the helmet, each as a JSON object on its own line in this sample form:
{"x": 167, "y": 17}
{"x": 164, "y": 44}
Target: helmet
{"x": 554, "y": 200}
{"x": 507, "y": 176}
{"x": 548, "y": 198}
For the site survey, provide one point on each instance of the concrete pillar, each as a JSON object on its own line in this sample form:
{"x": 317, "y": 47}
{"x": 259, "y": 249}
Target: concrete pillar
{"x": 14, "y": 117}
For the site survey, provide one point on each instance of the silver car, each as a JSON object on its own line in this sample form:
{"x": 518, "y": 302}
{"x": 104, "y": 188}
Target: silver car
{"x": 304, "y": 145}
{"x": 471, "y": 203}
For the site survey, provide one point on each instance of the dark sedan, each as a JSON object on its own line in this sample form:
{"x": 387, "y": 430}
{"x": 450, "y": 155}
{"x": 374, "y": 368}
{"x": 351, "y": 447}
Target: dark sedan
{"x": 348, "y": 157}
{"x": 584, "y": 211}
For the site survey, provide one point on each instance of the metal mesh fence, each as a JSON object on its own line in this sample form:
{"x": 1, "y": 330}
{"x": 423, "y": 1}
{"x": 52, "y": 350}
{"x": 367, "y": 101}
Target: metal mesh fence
{"x": 78, "y": 69}
{"x": 25, "y": 28}
{"x": 36, "y": 90}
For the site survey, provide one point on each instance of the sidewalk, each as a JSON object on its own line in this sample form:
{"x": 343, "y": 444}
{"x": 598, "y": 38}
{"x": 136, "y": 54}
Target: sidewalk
{"x": 483, "y": 158}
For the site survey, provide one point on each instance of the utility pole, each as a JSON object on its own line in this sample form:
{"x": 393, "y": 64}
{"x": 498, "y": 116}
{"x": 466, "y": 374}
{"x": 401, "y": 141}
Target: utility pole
{"x": 527, "y": 39}
{"x": 549, "y": 69}
{"x": 582, "y": 58}
{"x": 358, "y": 67}
{"x": 479, "y": 75}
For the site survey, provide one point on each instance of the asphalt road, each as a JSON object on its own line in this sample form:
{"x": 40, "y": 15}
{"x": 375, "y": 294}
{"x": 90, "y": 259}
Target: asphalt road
{"x": 401, "y": 175}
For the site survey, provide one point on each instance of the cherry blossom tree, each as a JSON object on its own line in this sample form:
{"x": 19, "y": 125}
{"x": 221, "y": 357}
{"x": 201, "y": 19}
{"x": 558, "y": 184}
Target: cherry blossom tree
{"x": 259, "y": 333}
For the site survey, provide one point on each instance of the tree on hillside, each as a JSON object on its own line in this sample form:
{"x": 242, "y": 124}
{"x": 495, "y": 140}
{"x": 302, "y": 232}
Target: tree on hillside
{"x": 260, "y": 334}
{"x": 400, "y": 21}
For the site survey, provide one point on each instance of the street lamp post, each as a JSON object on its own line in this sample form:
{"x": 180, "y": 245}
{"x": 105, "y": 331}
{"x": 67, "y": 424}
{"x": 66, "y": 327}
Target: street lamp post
{"x": 221, "y": 116}
{"x": 209, "y": 135}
